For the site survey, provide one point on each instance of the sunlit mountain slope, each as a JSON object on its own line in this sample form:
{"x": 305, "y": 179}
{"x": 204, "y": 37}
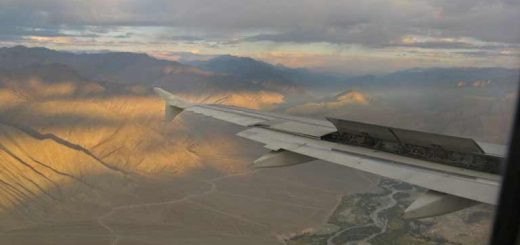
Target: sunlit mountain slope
{"x": 90, "y": 162}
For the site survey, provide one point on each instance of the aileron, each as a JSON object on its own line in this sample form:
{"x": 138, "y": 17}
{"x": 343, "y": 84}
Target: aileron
{"x": 458, "y": 171}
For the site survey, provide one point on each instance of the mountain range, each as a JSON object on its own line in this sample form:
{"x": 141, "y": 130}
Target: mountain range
{"x": 140, "y": 69}
{"x": 231, "y": 73}
{"x": 85, "y": 157}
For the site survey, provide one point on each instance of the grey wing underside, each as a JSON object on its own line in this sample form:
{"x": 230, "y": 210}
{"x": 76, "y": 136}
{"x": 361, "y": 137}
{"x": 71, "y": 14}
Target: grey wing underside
{"x": 294, "y": 140}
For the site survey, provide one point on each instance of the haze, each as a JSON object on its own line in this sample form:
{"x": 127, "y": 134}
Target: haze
{"x": 341, "y": 35}
{"x": 86, "y": 158}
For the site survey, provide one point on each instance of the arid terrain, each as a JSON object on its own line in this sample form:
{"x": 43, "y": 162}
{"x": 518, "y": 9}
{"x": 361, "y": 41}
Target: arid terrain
{"x": 90, "y": 162}
{"x": 83, "y": 166}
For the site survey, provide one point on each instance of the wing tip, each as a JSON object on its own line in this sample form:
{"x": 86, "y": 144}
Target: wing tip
{"x": 171, "y": 99}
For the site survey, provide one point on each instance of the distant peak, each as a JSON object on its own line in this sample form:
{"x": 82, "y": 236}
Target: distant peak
{"x": 22, "y": 47}
{"x": 228, "y": 57}
{"x": 353, "y": 96}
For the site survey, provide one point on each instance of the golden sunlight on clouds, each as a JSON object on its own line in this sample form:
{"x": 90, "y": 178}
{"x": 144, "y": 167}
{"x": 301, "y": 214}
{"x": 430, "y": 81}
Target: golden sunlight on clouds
{"x": 408, "y": 51}
{"x": 409, "y": 40}
{"x": 50, "y": 40}
{"x": 385, "y": 60}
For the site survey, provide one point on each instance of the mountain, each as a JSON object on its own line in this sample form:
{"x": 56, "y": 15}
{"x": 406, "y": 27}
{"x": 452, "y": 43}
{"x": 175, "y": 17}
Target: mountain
{"x": 338, "y": 102}
{"x": 87, "y": 162}
{"x": 247, "y": 68}
{"x": 243, "y": 67}
{"x": 103, "y": 168}
{"x": 481, "y": 113}
{"x": 231, "y": 73}
{"x": 114, "y": 66}
{"x": 500, "y": 79}
{"x": 86, "y": 158}
{"x": 497, "y": 79}
{"x": 141, "y": 69}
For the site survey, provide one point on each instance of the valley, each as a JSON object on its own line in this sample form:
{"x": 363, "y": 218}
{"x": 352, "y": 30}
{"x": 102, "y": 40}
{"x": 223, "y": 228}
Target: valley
{"x": 87, "y": 158}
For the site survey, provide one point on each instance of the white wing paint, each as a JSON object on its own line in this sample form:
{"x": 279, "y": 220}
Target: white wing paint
{"x": 294, "y": 140}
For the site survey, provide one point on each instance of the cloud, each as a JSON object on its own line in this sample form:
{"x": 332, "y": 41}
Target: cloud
{"x": 20, "y": 31}
{"x": 185, "y": 38}
{"x": 55, "y": 40}
{"x": 429, "y": 42}
{"x": 254, "y": 27}
{"x": 368, "y": 22}
{"x": 367, "y": 35}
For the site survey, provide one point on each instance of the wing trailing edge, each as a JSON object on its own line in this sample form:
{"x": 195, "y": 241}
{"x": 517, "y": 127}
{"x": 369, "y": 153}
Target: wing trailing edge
{"x": 388, "y": 152}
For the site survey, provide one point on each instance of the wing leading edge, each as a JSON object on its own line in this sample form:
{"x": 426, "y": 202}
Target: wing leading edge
{"x": 435, "y": 162}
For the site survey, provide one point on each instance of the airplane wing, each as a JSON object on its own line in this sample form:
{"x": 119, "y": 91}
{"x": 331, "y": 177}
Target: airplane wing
{"x": 458, "y": 172}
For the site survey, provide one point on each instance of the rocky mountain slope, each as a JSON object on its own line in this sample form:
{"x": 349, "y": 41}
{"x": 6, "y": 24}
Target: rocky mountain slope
{"x": 84, "y": 162}
{"x": 141, "y": 69}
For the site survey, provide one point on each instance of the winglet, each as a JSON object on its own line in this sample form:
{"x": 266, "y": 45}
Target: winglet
{"x": 173, "y": 104}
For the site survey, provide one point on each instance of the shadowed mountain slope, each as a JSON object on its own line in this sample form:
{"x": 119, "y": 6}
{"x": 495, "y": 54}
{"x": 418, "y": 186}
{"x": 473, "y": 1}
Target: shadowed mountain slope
{"x": 89, "y": 161}
{"x": 94, "y": 163}
{"x": 136, "y": 68}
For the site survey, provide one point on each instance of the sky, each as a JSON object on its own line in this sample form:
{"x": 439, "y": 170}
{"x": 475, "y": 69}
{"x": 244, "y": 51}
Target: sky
{"x": 344, "y": 36}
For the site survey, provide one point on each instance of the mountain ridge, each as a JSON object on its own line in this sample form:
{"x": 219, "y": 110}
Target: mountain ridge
{"x": 240, "y": 73}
